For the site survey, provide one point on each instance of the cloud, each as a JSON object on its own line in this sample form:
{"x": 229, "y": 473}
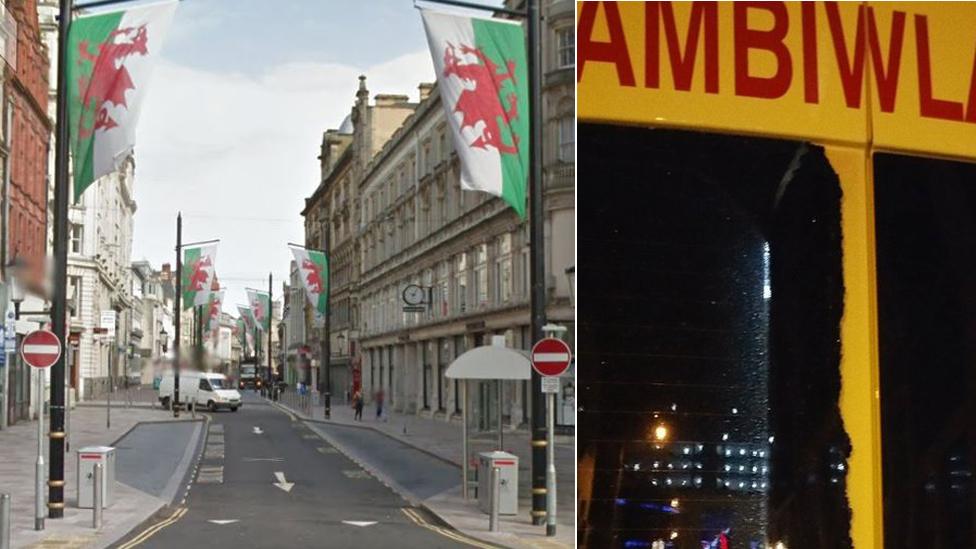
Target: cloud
{"x": 237, "y": 154}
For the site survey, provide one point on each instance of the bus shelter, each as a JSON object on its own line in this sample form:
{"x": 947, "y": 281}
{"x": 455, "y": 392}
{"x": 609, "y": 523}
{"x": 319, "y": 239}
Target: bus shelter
{"x": 493, "y": 362}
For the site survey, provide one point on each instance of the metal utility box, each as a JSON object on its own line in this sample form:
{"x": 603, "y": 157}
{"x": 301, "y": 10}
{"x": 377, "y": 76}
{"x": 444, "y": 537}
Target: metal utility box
{"x": 508, "y": 473}
{"x": 87, "y": 458}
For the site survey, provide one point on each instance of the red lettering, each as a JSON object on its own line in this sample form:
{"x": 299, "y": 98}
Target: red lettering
{"x": 887, "y": 77}
{"x": 746, "y": 39}
{"x": 703, "y": 15}
{"x": 929, "y": 105}
{"x": 851, "y": 72}
{"x": 971, "y": 110}
{"x": 811, "y": 78}
{"x": 614, "y": 51}
{"x": 852, "y": 69}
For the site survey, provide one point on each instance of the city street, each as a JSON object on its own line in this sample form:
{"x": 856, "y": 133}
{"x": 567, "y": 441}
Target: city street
{"x": 265, "y": 480}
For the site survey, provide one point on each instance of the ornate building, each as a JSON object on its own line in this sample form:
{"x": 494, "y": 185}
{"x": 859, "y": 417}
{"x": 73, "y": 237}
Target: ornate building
{"x": 345, "y": 154}
{"x": 399, "y": 218}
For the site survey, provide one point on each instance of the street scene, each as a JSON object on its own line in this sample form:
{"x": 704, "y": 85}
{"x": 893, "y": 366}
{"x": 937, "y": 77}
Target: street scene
{"x": 287, "y": 274}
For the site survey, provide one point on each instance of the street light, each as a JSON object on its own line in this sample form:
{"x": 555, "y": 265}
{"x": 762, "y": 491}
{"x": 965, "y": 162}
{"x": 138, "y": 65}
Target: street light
{"x": 341, "y": 340}
{"x": 164, "y": 340}
{"x": 14, "y": 270}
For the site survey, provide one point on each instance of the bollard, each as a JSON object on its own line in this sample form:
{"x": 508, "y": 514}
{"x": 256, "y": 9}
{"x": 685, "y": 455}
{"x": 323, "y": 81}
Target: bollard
{"x": 4, "y": 521}
{"x": 496, "y": 496}
{"x": 97, "y": 506}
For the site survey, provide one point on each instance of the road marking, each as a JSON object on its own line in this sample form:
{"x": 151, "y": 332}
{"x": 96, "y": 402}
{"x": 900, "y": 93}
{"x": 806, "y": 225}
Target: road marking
{"x": 419, "y": 520}
{"x": 310, "y": 437}
{"x": 327, "y": 450}
{"x": 359, "y": 523}
{"x": 257, "y": 430}
{"x": 355, "y": 473}
{"x": 223, "y": 521}
{"x": 282, "y": 483}
{"x": 212, "y": 474}
{"x": 149, "y": 532}
{"x": 264, "y": 459}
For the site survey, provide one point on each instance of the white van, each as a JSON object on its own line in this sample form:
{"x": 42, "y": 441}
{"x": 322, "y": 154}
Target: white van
{"x": 200, "y": 389}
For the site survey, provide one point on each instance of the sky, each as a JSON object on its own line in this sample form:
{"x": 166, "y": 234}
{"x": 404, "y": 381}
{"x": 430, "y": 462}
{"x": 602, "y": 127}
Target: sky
{"x": 232, "y": 122}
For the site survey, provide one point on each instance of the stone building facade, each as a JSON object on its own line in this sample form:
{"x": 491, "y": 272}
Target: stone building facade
{"x": 413, "y": 225}
{"x": 335, "y": 203}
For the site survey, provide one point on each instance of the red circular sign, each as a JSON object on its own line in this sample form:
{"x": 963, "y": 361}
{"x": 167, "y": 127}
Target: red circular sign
{"x": 551, "y": 357}
{"x": 40, "y": 349}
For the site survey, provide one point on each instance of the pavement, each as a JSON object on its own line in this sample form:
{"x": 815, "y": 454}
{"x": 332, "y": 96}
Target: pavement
{"x": 266, "y": 479}
{"x": 130, "y": 429}
{"x": 420, "y": 458}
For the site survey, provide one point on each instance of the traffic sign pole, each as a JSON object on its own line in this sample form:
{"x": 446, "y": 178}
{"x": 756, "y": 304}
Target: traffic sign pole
{"x": 40, "y": 349}
{"x": 550, "y": 359}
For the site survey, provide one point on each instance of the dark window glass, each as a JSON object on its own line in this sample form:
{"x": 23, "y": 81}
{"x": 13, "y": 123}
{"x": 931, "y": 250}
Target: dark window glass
{"x": 709, "y": 363}
{"x": 926, "y": 244}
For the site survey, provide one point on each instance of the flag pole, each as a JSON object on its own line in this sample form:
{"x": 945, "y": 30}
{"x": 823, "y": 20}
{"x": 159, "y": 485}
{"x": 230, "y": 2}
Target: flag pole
{"x": 271, "y": 385}
{"x": 177, "y": 313}
{"x": 59, "y": 299}
{"x": 537, "y": 263}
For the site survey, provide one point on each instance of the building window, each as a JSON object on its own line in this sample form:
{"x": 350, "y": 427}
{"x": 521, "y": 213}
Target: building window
{"x": 74, "y": 292}
{"x": 77, "y": 233}
{"x": 567, "y": 138}
{"x": 503, "y": 269}
{"x": 481, "y": 274}
{"x": 461, "y": 282}
{"x": 565, "y": 52}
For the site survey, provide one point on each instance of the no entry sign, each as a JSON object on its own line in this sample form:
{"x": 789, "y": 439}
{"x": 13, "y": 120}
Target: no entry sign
{"x": 551, "y": 357}
{"x": 40, "y": 349}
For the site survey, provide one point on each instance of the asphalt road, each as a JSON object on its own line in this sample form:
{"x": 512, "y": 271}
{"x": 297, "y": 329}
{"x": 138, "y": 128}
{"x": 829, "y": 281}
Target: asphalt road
{"x": 416, "y": 472}
{"x": 239, "y": 479}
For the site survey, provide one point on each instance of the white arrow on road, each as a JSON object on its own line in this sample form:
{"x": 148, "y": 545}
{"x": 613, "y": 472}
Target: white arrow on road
{"x": 258, "y": 431}
{"x": 223, "y": 521}
{"x": 359, "y": 523}
{"x": 282, "y": 483}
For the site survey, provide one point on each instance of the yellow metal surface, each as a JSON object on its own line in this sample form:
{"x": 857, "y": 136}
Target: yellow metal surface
{"x": 951, "y": 28}
{"x": 859, "y": 398}
{"x": 819, "y": 71}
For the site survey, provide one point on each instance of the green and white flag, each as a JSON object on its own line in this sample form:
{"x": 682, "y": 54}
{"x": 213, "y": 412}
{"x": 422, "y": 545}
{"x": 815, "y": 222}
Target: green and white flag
{"x": 260, "y": 308}
{"x": 213, "y": 311}
{"x": 198, "y": 275}
{"x": 109, "y": 61}
{"x": 483, "y": 77}
{"x": 247, "y": 319}
{"x": 313, "y": 269}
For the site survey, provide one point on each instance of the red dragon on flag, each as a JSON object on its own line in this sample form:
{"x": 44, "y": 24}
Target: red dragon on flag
{"x": 314, "y": 276}
{"x": 109, "y": 80}
{"x": 479, "y": 102}
{"x": 199, "y": 275}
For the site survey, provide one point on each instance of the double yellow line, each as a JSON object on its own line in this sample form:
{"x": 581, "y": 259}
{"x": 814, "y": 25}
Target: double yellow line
{"x": 419, "y": 520}
{"x": 149, "y": 532}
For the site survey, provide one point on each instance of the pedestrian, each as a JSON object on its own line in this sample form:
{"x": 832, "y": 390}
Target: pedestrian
{"x": 358, "y": 404}
{"x": 379, "y": 404}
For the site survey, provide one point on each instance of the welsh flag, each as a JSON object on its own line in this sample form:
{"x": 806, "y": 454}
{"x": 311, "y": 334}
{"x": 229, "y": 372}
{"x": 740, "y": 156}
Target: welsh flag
{"x": 247, "y": 321}
{"x": 482, "y": 74}
{"x": 260, "y": 308}
{"x": 313, "y": 268}
{"x": 198, "y": 275}
{"x": 246, "y": 317}
{"x": 213, "y": 310}
{"x": 110, "y": 59}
